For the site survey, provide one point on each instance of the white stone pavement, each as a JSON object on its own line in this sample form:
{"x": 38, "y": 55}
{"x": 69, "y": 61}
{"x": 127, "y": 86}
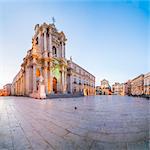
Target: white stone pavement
{"x": 98, "y": 123}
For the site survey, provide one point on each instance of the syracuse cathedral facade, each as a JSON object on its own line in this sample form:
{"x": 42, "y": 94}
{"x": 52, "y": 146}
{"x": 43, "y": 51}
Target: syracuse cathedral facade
{"x": 45, "y": 68}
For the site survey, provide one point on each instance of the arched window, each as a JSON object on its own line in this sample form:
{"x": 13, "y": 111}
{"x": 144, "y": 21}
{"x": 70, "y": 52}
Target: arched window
{"x": 37, "y": 40}
{"x": 54, "y": 51}
{"x": 47, "y": 32}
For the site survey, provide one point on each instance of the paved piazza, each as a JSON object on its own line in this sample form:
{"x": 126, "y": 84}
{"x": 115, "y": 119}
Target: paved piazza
{"x": 100, "y": 122}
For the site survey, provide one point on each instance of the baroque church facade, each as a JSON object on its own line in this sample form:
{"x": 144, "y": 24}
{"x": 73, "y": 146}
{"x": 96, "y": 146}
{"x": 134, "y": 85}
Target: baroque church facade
{"x": 46, "y": 59}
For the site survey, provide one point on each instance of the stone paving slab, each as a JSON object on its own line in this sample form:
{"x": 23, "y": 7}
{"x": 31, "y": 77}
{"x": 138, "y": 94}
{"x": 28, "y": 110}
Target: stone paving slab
{"x": 98, "y": 123}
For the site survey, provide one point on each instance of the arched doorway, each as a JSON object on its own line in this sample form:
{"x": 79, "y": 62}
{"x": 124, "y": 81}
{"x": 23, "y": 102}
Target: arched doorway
{"x": 54, "y": 85}
{"x": 87, "y": 92}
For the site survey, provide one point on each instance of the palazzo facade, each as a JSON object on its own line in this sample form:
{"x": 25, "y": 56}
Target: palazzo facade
{"x": 118, "y": 89}
{"x": 137, "y": 85}
{"x": 147, "y": 84}
{"x": 46, "y": 59}
{"x": 79, "y": 80}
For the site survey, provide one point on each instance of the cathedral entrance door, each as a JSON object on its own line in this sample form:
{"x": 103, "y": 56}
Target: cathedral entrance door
{"x": 54, "y": 85}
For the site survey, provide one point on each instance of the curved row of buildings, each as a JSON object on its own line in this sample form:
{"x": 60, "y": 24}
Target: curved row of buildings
{"x": 139, "y": 86}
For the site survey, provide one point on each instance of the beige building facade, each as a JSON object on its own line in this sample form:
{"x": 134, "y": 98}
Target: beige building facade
{"x": 137, "y": 86}
{"x": 47, "y": 60}
{"x": 6, "y": 91}
{"x": 118, "y": 89}
{"x": 79, "y": 80}
{"x": 127, "y": 88}
{"x": 147, "y": 84}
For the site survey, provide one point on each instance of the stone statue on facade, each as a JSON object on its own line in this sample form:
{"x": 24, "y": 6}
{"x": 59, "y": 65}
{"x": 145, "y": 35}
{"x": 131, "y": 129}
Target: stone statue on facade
{"x": 34, "y": 45}
{"x": 41, "y": 88}
{"x": 40, "y": 93}
{"x": 70, "y": 58}
{"x": 41, "y": 79}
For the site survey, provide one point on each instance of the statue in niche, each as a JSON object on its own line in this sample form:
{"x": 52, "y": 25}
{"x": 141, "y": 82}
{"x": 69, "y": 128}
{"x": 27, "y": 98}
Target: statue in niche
{"x": 41, "y": 88}
{"x": 41, "y": 79}
{"x": 35, "y": 44}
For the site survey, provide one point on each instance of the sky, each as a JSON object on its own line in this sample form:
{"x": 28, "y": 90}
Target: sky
{"x": 107, "y": 38}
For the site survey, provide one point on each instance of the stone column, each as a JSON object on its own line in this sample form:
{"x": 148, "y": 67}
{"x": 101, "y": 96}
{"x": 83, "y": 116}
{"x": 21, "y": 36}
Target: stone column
{"x": 62, "y": 79}
{"x": 34, "y": 78}
{"x": 20, "y": 85}
{"x": 30, "y": 80}
{"x": 51, "y": 78}
{"x": 24, "y": 83}
{"x": 50, "y": 43}
{"x": 42, "y": 42}
{"x": 71, "y": 80}
{"x": 39, "y": 42}
{"x": 16, "y": 88}
{"x": 45, "y": 41}
{"x": 45, "y": 63}
{"x": 50, "y": 55}
{"x": 65, "y": 81}
{"x": 45, "y": 79}
{"x": 48, "y": 81}
{"x": 27, "y": 80}
{"x": 62, "y": 47}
